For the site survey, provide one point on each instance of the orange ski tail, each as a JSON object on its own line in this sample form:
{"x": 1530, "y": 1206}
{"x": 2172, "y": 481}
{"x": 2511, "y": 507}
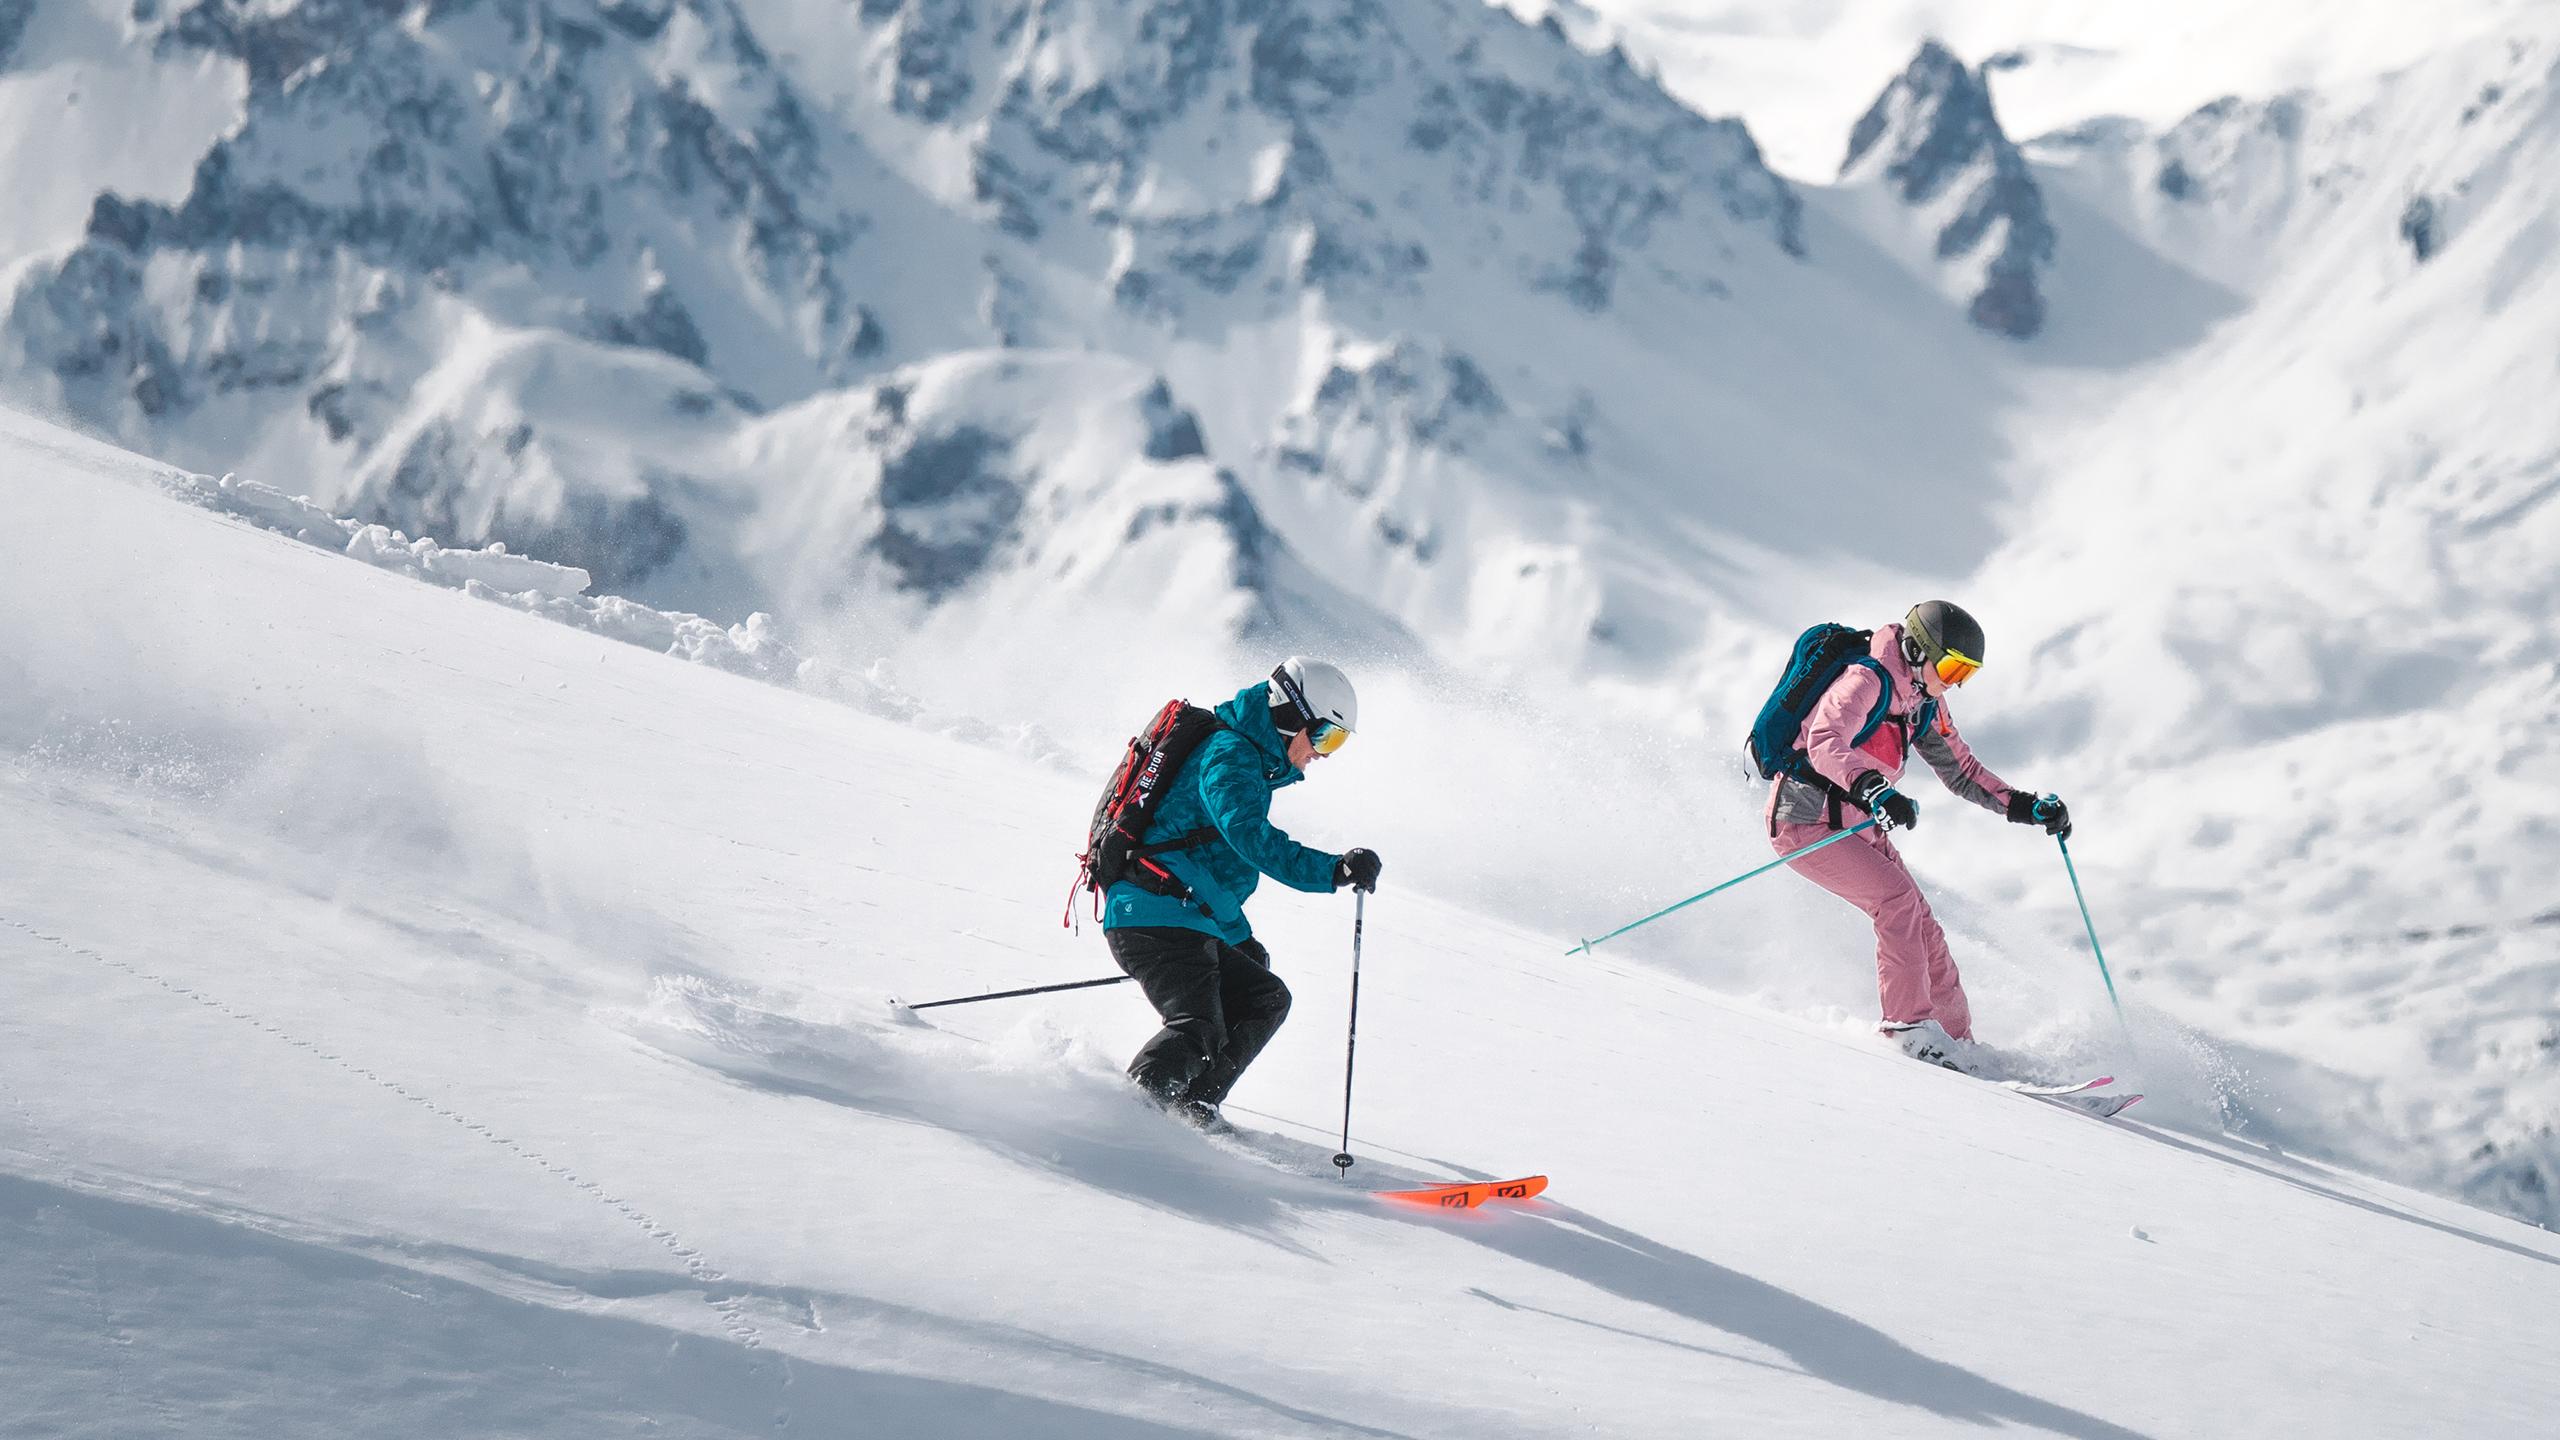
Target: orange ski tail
{"x": 1468, "y": 1196}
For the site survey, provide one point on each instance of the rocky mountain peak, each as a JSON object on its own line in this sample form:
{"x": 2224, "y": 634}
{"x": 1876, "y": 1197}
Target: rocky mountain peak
{"x": 1933, "y": 140}
{"x": 748, "y": 206}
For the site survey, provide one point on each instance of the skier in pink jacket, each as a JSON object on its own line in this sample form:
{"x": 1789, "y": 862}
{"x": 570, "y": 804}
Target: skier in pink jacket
{"x": 1857, "y": 736}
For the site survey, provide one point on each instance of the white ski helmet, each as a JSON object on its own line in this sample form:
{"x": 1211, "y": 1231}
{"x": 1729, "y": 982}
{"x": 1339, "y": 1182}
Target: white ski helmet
{"x": 1308, "y": 692}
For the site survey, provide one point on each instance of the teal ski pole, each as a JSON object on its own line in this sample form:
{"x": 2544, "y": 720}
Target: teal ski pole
{"x": 1585, "y": 947}
{"x": 2094, "y": 948}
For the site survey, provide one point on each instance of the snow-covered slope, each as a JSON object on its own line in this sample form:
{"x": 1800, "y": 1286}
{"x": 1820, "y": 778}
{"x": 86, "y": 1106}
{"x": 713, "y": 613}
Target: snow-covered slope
{"x": 416, "y": 1011}
{"x": 1046, "y": 348}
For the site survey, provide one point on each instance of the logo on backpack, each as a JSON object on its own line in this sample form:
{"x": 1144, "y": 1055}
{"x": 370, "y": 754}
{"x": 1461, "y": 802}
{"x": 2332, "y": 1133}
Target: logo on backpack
{"x": 1116, "y": 848}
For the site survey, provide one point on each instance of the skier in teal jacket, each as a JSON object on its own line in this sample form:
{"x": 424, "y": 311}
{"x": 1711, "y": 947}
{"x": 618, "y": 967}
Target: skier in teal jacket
{"x": 1194, "y": 954}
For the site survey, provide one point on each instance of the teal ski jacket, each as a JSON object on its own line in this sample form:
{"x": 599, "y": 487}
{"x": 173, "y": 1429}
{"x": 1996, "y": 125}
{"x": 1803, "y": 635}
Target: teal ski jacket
{"x": 1225, "y": 786}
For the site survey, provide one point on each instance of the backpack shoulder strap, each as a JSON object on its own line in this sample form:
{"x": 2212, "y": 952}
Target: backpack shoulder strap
{"x": 1884, "y": 698}
{"x": 1199, "y": 741}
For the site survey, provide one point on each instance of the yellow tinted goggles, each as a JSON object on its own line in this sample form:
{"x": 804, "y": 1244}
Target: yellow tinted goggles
{"x": 1956, "y": 668}
{"x": 1327, "y": 737}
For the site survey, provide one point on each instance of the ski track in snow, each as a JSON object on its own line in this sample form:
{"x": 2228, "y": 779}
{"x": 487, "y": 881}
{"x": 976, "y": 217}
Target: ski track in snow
{"x": 729, "y": 1308}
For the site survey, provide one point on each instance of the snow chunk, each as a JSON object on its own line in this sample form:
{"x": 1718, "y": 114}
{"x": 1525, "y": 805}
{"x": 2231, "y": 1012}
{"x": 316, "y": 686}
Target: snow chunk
{"x": 492, "y": 568}
{"x": 753, "y": 648}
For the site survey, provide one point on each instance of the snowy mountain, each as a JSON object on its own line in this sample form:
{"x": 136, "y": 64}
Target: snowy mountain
{"x": 419, "y": 1017}
{"x": 1307, "y": 217}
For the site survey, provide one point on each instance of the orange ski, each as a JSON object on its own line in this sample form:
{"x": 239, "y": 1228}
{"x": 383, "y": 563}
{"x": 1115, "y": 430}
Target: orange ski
{"x": 1468, "y": 1196}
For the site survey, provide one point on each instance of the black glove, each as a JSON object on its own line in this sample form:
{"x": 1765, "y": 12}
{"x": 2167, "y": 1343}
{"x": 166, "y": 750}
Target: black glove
{"x": 2045, "y": 810}
{"x": 1893, "y": 809}
{"x": 1254, "y": 952}
{"x": 1358, "y": 869}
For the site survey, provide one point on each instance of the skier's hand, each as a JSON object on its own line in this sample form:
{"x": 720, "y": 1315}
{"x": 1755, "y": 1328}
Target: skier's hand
{"x": 2045, "y": 810}
{"x": 1892, "y": 809}
{"x": 1359, "y": 869}
{"x": 1254, "y": 952}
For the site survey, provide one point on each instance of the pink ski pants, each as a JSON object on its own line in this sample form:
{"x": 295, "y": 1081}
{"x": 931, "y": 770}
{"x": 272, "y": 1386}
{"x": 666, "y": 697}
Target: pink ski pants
{"x": 1915, "y": 976}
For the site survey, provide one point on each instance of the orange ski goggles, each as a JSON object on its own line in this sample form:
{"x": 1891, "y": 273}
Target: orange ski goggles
{"x": 1956, "y": 667}
{"x": 1327, "y": 737}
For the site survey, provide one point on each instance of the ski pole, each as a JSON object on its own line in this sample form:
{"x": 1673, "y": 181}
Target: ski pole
{"x": 1351, "y": 1042}
{"x": 2094, "y": 948}
{"x": 1585, "y": 947}
{"x": 1009, "y": 994}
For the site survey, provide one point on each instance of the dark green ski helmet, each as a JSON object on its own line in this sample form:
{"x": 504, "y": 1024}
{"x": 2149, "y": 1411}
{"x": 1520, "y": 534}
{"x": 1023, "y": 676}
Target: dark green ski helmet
{"x": 1939, "y": 633}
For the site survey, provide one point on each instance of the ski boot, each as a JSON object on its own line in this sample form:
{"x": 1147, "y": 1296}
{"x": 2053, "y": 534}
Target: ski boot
{"x": 1928, "y": 1041}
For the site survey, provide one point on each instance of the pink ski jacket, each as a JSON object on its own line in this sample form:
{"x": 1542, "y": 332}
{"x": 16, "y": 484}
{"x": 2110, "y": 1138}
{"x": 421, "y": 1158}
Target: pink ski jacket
{"x": 1832, "y": 726}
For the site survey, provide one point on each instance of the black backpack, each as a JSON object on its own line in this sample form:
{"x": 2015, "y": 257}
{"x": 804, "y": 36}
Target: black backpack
{"x": 1115, "y": 843}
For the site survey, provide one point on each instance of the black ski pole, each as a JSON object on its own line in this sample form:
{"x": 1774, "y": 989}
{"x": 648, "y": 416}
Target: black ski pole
{"x": 1034, "y": 990}
{"x": 1351, "y": 1042}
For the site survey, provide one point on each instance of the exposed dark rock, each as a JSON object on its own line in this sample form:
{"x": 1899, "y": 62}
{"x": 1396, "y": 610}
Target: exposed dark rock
{"x": 2008, "y": 303}
{"x": 1326, "y": 257}
{"x": 119, "y": 221}
{"x": 1469, "y": 388}
{"x": 639, "y": 19}
{"x": 328, "y": 405}
{"x": 1138, "y": 292}
{"x": 1306, "y": 63}
{"x": 1173, "y": 432}
{"x": 1423, "y": 546}
{"x": 996, "y": 183}
{"x": 1586, "y": 280}
{"x": 870, "y": 337}
{"x": 14, "y": 15}
{"x": 1418, "y": 390}
{"x": 619, "y": 542}
{"x": 936, "y": 469}
{"x": 950, "y": 506}
{"x": 2422, "y": 227}
{"x": 929, "y": 57}
{"x": 1218, "y": 270}
{"x": 2175, "y": 182}
{"x": 2283, "y": 117}
{"x": 1255, "y": 541}
{"x": 663, "y": 324}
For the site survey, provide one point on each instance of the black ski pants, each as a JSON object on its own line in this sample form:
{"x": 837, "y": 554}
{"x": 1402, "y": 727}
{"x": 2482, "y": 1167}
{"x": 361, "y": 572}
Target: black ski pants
{"x": 1221, "y": 1004}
